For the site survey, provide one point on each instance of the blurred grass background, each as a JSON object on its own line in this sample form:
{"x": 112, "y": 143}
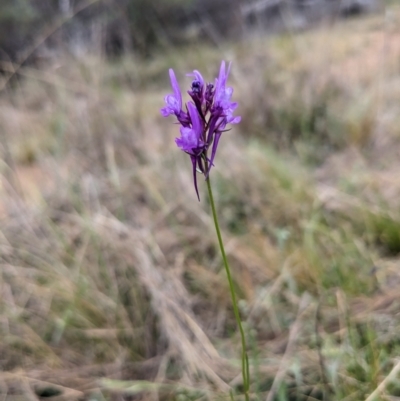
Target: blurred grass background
{"x": 112, "y": 287}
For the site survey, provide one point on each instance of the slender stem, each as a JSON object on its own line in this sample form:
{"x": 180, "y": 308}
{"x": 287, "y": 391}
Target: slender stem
{"x": 245, "y": 359}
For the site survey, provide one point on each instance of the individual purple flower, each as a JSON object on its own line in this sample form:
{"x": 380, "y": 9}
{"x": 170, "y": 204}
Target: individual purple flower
{"x": 191, "y": 137}
{"x": 198, "y": 82}
{"x": 222, "y": 93}
{"x": 173, "y": 102}
{"x": 207, "y": 116}
{"x": 191, "y": 141}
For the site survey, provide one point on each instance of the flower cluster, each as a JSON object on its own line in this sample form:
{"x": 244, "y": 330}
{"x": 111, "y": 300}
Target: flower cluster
{"x": 205, "y": 117}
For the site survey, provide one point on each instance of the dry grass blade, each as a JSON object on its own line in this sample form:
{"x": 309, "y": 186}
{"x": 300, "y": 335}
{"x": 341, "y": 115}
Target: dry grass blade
{"x": 390, "y": 377}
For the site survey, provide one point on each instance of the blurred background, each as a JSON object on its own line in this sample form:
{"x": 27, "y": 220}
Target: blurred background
{"x": 111, "y": 283}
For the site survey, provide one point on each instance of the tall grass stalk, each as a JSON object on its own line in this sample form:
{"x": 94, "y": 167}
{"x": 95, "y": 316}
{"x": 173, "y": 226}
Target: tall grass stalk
{"x": 245, "y": 359}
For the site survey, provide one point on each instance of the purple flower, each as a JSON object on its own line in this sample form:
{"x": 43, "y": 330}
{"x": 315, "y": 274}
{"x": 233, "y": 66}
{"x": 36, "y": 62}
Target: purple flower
{"x": 191, "y": 137}
{"x": 191, "y": 142}
{"x": 198, "y": 82}
{"x": 207, "y": 116}
{"x": 223, "y": 95}
{"x": 174, "y": 102}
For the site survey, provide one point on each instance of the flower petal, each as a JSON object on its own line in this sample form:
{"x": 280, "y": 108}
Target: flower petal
{"x": 195, "y": 118}
{"x": 175, "y": 88}
{"x": 188, "y": 140}
{"x": 196, "y": 74}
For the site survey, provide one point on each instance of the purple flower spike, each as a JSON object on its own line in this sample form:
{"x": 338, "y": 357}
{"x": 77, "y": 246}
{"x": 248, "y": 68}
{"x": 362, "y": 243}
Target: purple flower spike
{"x": 205, "y": 120}
{"x": 174, "y": 102}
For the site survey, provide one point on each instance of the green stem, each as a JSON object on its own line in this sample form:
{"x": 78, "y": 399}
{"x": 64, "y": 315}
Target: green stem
{"x": 245, "y": 359}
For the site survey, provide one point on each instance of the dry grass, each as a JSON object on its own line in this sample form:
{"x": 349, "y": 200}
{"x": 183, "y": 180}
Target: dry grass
{"x": 112, "y": 286}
